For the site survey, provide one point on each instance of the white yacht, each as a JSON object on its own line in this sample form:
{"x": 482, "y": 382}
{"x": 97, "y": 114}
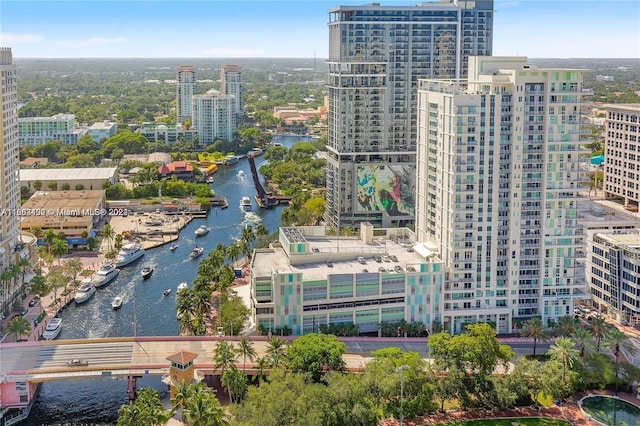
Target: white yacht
{"x": 84, "y": 293}
{"x": 105, "y": 274}
{"x": 129, "y": 253}
{"x": 53, "y": 328}
{"x": 240, "y": 173}
{"x": 117, "y": 303}
{"x": 202, "y": 230}
{"x": 196, "y": 252}
{"x": 245, "y": 204}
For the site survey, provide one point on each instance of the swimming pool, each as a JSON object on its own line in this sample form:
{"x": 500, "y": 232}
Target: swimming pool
{"x": 611, "y": 411}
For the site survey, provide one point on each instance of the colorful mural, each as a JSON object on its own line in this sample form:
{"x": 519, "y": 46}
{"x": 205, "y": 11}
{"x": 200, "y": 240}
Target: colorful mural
{"x": 387, "y": 188}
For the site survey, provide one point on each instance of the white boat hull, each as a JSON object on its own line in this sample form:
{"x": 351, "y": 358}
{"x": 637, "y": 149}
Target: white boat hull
{"x": 52, "y": 334}
{"x": 103, "y": 280}
{"x": 124, "y": 261}
{"x": 84, "y": 296}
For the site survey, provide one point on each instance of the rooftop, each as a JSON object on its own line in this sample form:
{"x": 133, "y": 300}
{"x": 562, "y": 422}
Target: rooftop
{"x": 182, "y": 357}
{"x": 61, "y": 209}
{"x": 67, "y": 174}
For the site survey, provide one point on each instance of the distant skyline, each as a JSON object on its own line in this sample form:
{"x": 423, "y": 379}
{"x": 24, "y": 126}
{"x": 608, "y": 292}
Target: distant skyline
{"x": 290, "y": 29}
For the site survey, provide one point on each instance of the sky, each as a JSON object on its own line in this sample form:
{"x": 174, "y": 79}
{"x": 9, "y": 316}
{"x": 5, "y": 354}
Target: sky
{"x": 290, "y": 28}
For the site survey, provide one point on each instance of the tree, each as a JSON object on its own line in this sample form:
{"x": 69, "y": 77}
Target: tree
{"x": 224, "y": 356}
{"x": 19, "y": 326}
{"x": 202, "y": 408}
{"x": 262, "y": 364}
{"x": 108, "y": 233}
{"x": 276, "y": 351}
{"x": 316, "y": 354}
{"x": 73, "y": 267}
{"x": 533, "y": 328}
{"x": 598, "y": 327}
{"x": 24, "y": 264}
{"x": 583, "y": 337}
{"x": 48, "y": 237}
{"x": 233, "y": 313}
{"x": 246, "y": 350}
{"x": 236, "y": 383}
{"x": 563, "y": 351}
{"x": 146, "y": 409}
{"x": 37, "y": 184}
{"x": 59, "y": 248}
{"x": 52, "y": 185}
{"x": 617, "y": 342}
{"x": 567, "y": 326}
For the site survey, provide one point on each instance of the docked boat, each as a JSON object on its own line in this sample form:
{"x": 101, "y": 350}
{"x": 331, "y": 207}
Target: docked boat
{"x": 230, "y": 160}
{"x": 105, "y": 274}
{"x": 210, "y": 180}
{"x": 245, "y": 204}
{"x": 241, "y": 173}
{"x": 166, "y": 292}
{"x": 117, "y": 303}
{"x": 202, "y": 230}
{"x": 84, "y": 293}
{"x": 182, "y": 286}
{"x": 173, "y": 247}
{"x": 52, "y": 330}
{"x": 129, "y": 253}
{"x": 255, "y": 152}
{"x": 196, "y": 252}
{"x": 146, "y": 272}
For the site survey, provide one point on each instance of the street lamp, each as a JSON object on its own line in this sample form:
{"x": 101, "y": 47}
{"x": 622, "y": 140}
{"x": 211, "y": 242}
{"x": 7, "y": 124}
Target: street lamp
{"x": 401, "y": 370}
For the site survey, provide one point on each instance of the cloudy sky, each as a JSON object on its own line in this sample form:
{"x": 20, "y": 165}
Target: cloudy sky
{"x": 261, "y": 28}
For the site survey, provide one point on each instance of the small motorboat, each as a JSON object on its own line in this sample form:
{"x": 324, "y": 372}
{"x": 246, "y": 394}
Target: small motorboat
{"x": 210, "y": 180}
{"x": 202, "y": 230}
{"x": 166, "y": 292}
{"x": 173, "y": 247}
{"x": 117, "y": 303}
{"x": 182, "y": 286}
{"x": 196, "y": 252}
{"x": 241, "y": 173}
{"x": 146, "y": 272}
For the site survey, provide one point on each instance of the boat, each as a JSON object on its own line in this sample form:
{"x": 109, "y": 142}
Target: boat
{"x": 146, "y": 272}
{"x": 210, "y": 180}
{"x": 52, "y": 330}
{"x": 255, "y": 152}
{"x": 84, "y": 293}
{"x": 117, "y": 303}
{"x": 182, "y": 286}
{"x": 173, "y": 247}
{"x": 245, "y": 204}
{"x": 202, "y": 230}
{"x": 231, "y": 160}
{"x": 241, "y": 173}
{"x": 105, "y": 274}
{"x": 166, "y": 292}
{"x": 129, "y": 253}
{"x": 196, "y": 252}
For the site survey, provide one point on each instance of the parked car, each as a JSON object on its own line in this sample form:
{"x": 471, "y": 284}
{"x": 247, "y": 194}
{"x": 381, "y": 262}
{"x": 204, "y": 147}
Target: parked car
{"x": 77, "y": 363}
{"x": 382, "y": 269}
{"x": 329, "y": 264}
{"x": 377, "y": 259}
{"x": 398, "y": 269}
{"x": 362, "y": 260}
{"x": 34, "y": 301}
{"x": 393, "y": 257}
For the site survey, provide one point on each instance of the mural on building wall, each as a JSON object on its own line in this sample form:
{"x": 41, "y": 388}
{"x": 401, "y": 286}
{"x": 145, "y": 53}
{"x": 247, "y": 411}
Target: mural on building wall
{"x": 387, "y": 188}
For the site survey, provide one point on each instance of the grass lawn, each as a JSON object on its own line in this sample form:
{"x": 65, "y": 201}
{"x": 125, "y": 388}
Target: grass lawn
{"x": 524, "y": 421}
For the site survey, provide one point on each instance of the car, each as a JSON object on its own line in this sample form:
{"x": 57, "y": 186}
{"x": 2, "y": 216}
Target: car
{"x": 377, "y": 259}
{"x": 382, "y": 269}
{"x": 157, "y": 211}
{"x": 77, "y": 363}
{"x": 393, "y": 257}
{"x": 34, "y": 301}
{"x": 410, "y": 250}
{"x": 386, "y": 258}
{"x": 329, "y": 264}
{"x": 362, "y": 260}
{"x": 398, "y": 269}
{"x": 411, "y": 269}
{"x": 365, "y": 270}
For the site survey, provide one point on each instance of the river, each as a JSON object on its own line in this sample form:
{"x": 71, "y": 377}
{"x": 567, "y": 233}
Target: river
{"x": 145, "y": 311}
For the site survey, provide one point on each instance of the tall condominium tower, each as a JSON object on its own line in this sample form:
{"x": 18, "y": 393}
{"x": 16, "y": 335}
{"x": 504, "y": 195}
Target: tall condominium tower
{"x": 186, "y": 88}
{"x": 9, "y": 189}
{"x": 376, "y": 56}
{"x": 622, "y": 154}
{"x": 231, "y": 76}
{"x": 214, "y": 117}
{"x": 497, "y": 181}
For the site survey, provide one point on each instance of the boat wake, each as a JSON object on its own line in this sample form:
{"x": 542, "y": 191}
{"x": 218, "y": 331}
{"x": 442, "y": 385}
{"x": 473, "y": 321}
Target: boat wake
{"x": 251, "y": 219}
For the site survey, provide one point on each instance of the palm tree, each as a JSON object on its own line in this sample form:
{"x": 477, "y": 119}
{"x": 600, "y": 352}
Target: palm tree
{"x": 19, "y": 326}
{"x": 48, "y": 237}
{"x": 567, "y": 326}
{"x": 276, "y": 351}
{"x": 247, "y": 235}
{"x": 203, "y": 408}
{"x": 108, "y": 233}
{"x": 564, "y": 352}
{"x": 59, "y": 248}
{"x": 246, "y": 350}
{"x": 182, "y": 393}
{"x": 233, "y": 252}
{"x": 5, "y": 278}
{"x": 598, "y": 327}
{"x": 23, "y": 264}
{"x": 583, "y": 337}
{"x": 262, "y": 364}
{"x": 147, "y": 409}
{"x": 534, "y": 329}
{"x": 235, "y": 382}
{"x": 224, "y": 356}
{"x": 617, "y": 342}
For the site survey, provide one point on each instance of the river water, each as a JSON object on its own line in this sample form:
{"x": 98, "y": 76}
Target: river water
{"x": 145, "y": 311}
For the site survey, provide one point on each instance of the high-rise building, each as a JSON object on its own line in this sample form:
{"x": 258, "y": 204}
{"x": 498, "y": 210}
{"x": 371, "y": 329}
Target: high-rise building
{"x": 622, "y": 154}
{"x": 9, "y": 189}
{"x": 214, "y": 117}
{"x": 186, "y": 88}
{"x": 497, "y": 181}
{"x": 376, "y": 56}
{"x": 231, "y": 77}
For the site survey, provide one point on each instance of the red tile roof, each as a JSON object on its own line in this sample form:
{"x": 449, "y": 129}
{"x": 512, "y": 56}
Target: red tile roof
{"x": 182, "y": 357}
{"x": 176, "y": 166}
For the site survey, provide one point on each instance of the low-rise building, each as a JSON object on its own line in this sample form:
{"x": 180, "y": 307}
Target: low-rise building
{"x": 39, "y": 130}
{"x": 179, "y": 169}
{"x": 71, "y": 212}
{"x": 310, "y": 279}
{"x": 102, "y": 130}
{"x": 166, "y": 133}
{"x": 89, "y": 178}
{"x": 33, "y": 162}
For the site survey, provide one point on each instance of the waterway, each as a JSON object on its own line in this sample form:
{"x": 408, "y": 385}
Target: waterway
{"x": 145, "y": 311}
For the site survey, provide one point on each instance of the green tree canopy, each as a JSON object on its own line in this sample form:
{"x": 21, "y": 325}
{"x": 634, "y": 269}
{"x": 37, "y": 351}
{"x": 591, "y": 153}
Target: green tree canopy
{"x": 315, "y": 354}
